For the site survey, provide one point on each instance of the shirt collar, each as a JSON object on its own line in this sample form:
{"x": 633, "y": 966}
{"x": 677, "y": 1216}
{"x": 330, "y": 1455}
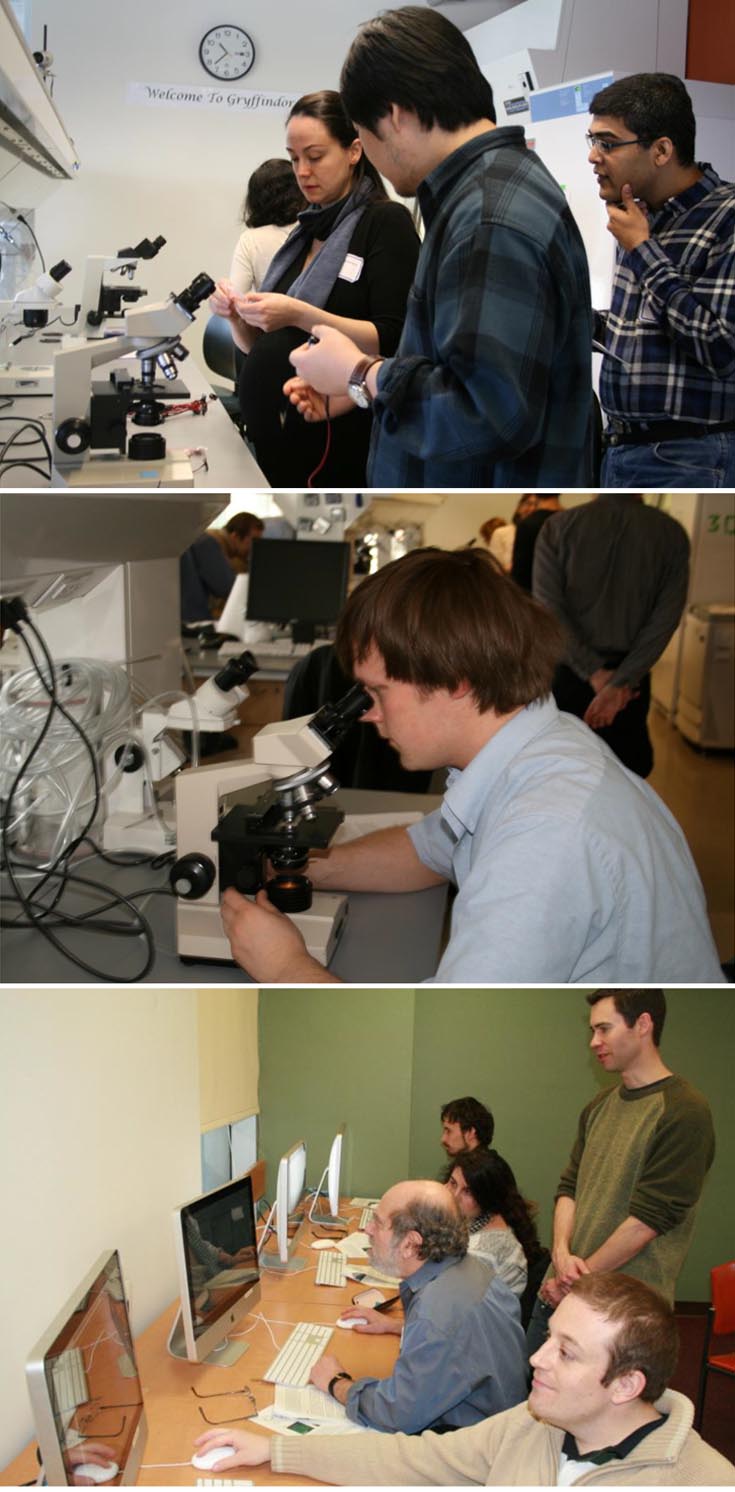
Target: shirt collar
{"x": 428, "y": 1272}
{"x": 434, "y": 187}
{"x": 468, "y": 791}
{"x": 673, "y": 206}
{"x": 611, "y": 1452}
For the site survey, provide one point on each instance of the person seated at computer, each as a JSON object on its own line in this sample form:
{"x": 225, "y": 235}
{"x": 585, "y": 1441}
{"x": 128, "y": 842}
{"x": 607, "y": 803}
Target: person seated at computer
{"x": 500, "y": 1221}
{"x": 213, "y": 1259}
{"x": 599, "y": 1413}
{"x": 349, "y": 264}
{"x": 462, "y": 1351}
{"x": 466, "y": 1124}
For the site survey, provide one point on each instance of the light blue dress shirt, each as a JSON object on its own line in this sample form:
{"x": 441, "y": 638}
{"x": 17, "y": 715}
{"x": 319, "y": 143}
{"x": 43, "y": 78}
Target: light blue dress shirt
{"x": 462, "y": 1358}
{"x": 570, "y": 869}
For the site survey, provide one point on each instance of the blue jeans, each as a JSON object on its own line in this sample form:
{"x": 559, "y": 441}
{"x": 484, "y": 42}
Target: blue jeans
{"x": 666, "y": 464}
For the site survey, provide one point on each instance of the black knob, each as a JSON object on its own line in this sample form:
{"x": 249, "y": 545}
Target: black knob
{"x": 130, "y": 757}
{"x": 290, "y": 893}
{"x": 192, "y": 876}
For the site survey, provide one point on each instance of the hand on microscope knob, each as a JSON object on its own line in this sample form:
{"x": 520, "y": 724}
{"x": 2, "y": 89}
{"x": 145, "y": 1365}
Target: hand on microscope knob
{"x": 264, "y": 941}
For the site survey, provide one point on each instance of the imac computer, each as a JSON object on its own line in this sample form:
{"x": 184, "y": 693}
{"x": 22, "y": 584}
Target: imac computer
{"x": 330, "y": 1174}
{"x": 84, "y": 1386}
{"x": 296, "y": 584}
{"x": 289, "y": 1191}
{"x": 216, "y": 1254}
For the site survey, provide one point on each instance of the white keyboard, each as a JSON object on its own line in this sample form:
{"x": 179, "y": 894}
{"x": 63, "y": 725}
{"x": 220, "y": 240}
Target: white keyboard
{"x": 297, "y": 1356}
{"x": 366, "y": 1216}
{"x": 330, "y": 1268}
{"x": 69, "y": 1380}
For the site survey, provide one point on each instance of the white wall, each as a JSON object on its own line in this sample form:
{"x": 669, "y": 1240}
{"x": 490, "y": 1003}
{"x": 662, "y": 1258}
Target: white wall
{"x": 172, "y": 171}
{"x": 99, "y": 1117}
{"x": 460, "y": 516}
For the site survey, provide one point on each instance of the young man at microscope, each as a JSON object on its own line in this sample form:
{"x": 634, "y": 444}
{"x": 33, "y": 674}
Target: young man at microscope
{"x": 459, "y": 661}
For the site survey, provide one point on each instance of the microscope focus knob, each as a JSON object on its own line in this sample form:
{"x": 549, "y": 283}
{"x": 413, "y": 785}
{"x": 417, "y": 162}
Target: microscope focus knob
{"x": 192, "y": 876}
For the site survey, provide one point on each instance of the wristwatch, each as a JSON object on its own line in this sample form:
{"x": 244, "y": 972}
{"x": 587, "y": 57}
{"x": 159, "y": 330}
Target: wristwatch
{"x": 335, "y": 1379}
{"x": 356, "y": 385}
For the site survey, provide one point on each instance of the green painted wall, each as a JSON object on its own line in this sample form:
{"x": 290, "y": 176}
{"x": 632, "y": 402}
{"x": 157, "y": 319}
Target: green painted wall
{"x": 384, "y": 1061}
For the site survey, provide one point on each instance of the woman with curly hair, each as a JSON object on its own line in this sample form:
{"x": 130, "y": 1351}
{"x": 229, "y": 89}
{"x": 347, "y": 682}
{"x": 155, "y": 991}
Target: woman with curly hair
{"x": 500, "y": 1220}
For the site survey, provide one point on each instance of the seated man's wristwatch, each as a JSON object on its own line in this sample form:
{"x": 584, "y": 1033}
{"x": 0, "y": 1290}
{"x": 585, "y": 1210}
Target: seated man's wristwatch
{"x": 335, "y": 1379}
{"x": 357, "y": 387}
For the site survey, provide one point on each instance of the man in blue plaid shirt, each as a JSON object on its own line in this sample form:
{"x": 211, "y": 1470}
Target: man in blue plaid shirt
{"x": 491, "y": 383}
{"x": 668, "y": 390}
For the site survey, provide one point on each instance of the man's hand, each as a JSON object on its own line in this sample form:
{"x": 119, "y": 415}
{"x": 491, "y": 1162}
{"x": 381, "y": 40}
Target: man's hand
{"x": 311, "y": 405}
{"x": 324, "y": 1371}
{"x": 552, "y": 1293}
{"x": 376, "y": 1323}
{"x": 569, "y": 1268}
{"x": 250, "y": 1450}
{"x": 606, "y": 705}
{"x": 326, "y": 364}
{"x": 264, "y": 942}
{"x": 269, "y": 312}
{"x": 628, "y": 221}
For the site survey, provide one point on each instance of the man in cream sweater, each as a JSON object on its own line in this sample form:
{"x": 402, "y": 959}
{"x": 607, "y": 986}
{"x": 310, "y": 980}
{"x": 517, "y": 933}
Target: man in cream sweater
{"x": 598, "y": 1414}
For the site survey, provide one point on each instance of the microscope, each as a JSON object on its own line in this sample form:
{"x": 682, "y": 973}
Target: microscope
{"x": 87, "y": 423}
{"x": 23, "y": 321}
{"x": 149, "y": 756}
{"x": 253, "y": 825}
{"x": 104, "y": 300}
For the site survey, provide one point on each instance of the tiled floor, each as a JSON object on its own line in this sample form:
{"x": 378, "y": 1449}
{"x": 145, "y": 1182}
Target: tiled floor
{"x": 699, "y": 788}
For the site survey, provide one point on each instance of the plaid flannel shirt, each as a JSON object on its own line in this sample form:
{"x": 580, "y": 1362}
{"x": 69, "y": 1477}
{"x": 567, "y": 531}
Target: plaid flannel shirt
{"x": 672, "y": 317}
{"x": 491, "y": 383}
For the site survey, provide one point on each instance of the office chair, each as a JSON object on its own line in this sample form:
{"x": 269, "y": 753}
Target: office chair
{"x": 720, "y": 1323}
{"x": 220, "y": 356}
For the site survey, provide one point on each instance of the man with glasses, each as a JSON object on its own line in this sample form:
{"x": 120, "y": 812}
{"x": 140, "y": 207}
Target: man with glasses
{"x": 667, "y": 387}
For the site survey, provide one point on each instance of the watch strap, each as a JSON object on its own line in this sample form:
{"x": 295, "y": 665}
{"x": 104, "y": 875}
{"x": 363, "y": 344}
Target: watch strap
{"x": 358, "y": 375}
{"x": 335, "y": 1379}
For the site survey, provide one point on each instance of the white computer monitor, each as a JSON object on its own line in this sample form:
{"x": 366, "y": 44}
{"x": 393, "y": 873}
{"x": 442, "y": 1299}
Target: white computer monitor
{"x": 331, "y": 1175}
{"x": 219, "y": 1280}
{"x": 84, "y": 1386}
{"x": 289, "y": 1191}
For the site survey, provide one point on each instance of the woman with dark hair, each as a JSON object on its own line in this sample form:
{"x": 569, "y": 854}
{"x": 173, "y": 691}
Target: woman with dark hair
{"x": 272, "y": 204}
{"x": 502, "y": 1229}
{"x": 348, "y": 264}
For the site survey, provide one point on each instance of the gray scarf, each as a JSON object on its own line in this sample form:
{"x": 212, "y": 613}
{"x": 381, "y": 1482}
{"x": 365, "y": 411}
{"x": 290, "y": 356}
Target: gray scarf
{"x": 315, "y": 283}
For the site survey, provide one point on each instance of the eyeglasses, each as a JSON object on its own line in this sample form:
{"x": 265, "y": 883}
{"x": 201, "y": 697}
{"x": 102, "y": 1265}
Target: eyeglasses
{"x": 597, "y": 142}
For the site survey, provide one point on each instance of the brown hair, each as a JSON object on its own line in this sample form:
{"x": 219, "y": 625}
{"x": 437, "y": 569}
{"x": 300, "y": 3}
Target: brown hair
{"x": 443, "y": 619}
{"x": 647, "y": 1339}
{"x": 487, "y": 529}
{"x": 244, "y": 524}
{"x": 630, "y": 1003}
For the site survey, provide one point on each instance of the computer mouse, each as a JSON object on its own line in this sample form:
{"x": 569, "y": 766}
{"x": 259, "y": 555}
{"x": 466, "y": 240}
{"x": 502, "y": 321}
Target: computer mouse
{"x": 89, "y": 1471}
{"x": 349, "y": 1321}
{"x": 322, "y": 1243}
{"x": 206, "y": 1460}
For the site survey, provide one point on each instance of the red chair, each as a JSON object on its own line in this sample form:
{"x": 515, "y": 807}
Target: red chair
{"x": 720, "y": 1323}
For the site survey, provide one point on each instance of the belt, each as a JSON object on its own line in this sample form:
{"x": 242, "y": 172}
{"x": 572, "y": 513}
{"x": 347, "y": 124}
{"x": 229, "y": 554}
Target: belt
{"x": 619, "y": 433}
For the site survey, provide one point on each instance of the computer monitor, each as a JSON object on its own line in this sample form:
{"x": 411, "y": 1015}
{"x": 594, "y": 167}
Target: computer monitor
{"x": 298, "y": 583}
{"x": 289, "y": 1191}
{"x": 331, "y": 1174}
{"x": 84, "y": 1386}
{"x": 217, "y": 1258}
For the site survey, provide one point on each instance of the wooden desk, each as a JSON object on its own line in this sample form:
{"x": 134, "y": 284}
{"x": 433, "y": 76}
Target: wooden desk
{"x": 172, "y": 1410}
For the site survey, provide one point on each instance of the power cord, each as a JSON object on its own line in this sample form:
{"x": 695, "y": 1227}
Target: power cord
{"x": 49, "y": 916}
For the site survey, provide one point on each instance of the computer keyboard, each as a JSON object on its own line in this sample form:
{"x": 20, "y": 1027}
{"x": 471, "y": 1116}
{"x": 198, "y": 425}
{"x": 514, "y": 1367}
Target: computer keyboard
{"x": 294, "y": 1362}
{"x": 282, "y": 647}
{"x": 366, "y": 1216}
{"x": 330, "y": 1268}
{"x": 69, "y": 1380}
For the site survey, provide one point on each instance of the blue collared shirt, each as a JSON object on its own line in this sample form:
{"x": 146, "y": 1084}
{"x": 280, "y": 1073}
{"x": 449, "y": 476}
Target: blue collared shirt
{"x": 462, "y": 1353}
{"x": 569, "y": 867}
{"x": 491, "y": 383}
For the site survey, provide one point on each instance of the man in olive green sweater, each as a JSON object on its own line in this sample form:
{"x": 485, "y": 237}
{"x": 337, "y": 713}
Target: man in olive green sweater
{"x": 598, "y": 1415}
{"x": 628, "y": 1197}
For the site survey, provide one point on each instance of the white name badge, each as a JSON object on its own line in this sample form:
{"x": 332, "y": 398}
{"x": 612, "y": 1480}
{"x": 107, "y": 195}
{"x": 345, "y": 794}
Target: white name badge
{"x": 352, "y": 268}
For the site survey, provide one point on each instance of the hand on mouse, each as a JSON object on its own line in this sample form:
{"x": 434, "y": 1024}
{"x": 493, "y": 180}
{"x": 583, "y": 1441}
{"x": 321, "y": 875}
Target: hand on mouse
{"x": 250, "y": 1450}
{"x": 376, "y": 1323}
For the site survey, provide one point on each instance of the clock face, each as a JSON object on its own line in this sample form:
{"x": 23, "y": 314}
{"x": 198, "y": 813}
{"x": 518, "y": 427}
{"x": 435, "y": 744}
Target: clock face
{"x": 227, "y": 52}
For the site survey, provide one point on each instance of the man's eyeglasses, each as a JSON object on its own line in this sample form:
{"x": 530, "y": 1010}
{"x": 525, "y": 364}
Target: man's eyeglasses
{"x": 598, "y": 142}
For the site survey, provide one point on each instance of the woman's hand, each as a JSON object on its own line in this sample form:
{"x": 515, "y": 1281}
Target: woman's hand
{"x": 271, "y": 312}
{"x": 222, "y": 302}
